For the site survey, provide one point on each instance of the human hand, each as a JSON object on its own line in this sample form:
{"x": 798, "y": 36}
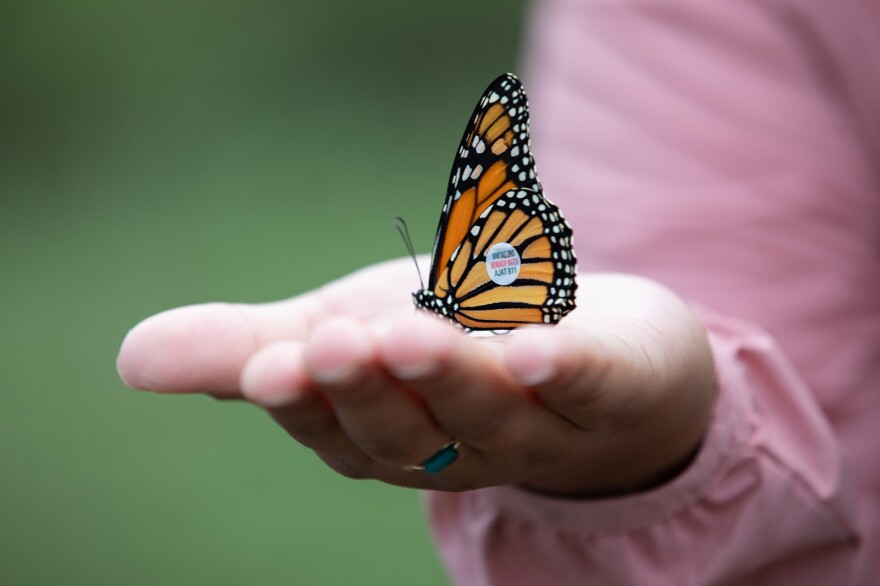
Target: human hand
{"x": 615, "y": 398}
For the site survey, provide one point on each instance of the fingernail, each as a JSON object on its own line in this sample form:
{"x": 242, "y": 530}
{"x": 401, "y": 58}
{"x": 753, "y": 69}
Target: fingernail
{"x": 412, "y": 348}
{"x": 332, "y": 374}
{"x": 270, "y": 399}
{"x": 337, "y": 351}
{"x": 531, "y": 358}
{"x": 413, "y": 370}
{"x": 536, "y": 374}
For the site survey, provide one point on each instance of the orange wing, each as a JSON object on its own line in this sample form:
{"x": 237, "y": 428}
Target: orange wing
{"x": 493, "y": 158}
{"x": 538, "y": 242}
{"x": 503, "y": 253}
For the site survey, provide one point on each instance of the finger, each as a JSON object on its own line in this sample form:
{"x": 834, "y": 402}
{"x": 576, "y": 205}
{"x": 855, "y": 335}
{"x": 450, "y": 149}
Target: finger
{"x": 464, "y": 384}
{"x": 579, "y": 374}
{"x": 382, "y": 419}
{"x": 275, "y": 379}
{"x": 202, "y": 348}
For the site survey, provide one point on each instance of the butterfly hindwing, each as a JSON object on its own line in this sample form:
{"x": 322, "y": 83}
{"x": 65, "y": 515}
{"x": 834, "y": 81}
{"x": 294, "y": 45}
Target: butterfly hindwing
{"x": 515, "y": 267}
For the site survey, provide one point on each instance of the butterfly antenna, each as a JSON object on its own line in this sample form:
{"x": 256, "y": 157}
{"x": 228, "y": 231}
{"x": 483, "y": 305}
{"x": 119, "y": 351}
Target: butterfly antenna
{"x": 402, "y": 229}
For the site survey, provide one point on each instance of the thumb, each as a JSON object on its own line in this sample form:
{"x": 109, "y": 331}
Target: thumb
{"x": 583, "y": 373}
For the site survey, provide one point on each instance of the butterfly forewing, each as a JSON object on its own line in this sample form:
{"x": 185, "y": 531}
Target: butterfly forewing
{"x": 494, "y": 157}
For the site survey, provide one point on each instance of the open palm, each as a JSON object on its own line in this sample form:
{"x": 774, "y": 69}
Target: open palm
{"x": 615, "y": 398}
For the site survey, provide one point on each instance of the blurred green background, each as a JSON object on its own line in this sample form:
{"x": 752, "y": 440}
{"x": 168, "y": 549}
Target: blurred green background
{"x": 155, "y": 154}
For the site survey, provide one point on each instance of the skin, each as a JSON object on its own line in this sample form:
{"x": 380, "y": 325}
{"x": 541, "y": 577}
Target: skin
{"x": 614, "y": 399}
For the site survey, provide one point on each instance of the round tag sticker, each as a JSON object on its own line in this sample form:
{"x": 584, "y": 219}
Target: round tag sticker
{"x": 503, "y": 263}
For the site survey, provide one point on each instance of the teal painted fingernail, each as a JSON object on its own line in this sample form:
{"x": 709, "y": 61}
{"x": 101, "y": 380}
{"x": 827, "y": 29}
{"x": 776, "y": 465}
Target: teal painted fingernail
{"x": 442, "y": 459}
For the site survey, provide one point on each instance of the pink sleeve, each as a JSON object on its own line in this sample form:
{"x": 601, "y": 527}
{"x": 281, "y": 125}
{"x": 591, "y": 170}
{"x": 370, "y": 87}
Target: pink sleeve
{"x": 765, "y": 501}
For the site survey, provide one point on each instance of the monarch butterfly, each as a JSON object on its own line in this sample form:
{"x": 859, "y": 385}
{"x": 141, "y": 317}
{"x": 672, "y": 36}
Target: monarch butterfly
{"x": 503, "y": 252}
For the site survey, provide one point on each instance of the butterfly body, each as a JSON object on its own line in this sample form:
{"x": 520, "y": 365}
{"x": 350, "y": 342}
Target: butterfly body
{"x": 503, "y": 253}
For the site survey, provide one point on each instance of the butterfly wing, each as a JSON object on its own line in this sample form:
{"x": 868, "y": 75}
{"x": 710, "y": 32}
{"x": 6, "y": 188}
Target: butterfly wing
{"x": 502, "y": 255}
{"x": 515, "y": 267}
{"x": 493, "y": 158}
